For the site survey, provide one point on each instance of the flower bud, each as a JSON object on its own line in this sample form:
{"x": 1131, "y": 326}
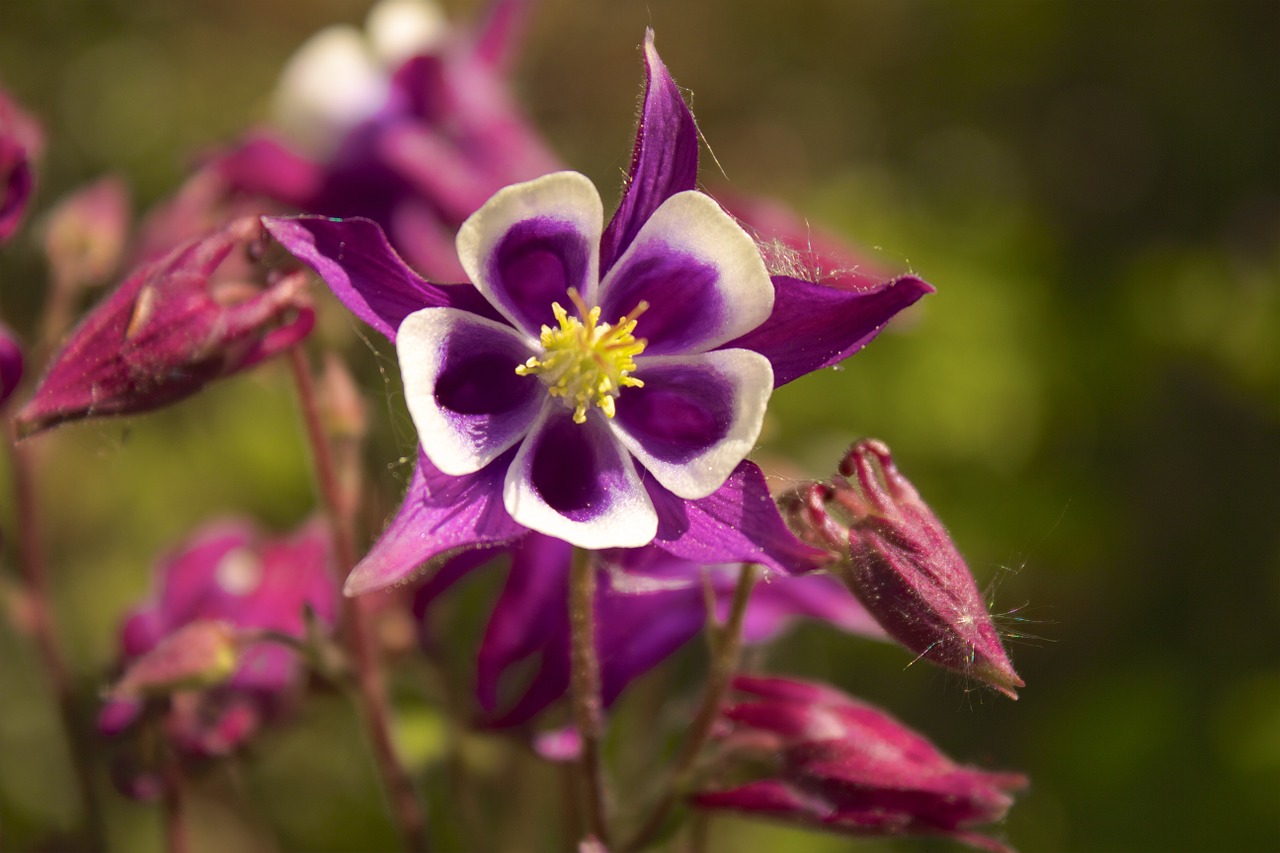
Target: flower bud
{"x": 167, "y": 332}
{"x": 199, "y": 654}
{"x": 845, "y": 766}
{"x": 901, "y": 564}
{"x": 84, "y": 235}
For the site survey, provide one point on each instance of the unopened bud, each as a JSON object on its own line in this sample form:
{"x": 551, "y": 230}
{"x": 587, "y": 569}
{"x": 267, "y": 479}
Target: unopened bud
{"x": 200, "y": 654}
{"x": 902, "y": 565}
{"x": 166, "y": 332}
{"x": 84, "y": 234}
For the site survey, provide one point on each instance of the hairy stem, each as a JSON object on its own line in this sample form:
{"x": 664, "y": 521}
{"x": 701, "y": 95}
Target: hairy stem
{"x": 588, "y": 714}
{"x": 406, "y": 807}
{"x": 725, "y": 647}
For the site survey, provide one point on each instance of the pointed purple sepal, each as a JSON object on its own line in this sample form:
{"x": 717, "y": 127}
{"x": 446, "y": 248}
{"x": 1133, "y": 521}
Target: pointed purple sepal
{"x": 814, "y": 325}
{"x": 440, "y": 515}
{"x": 360, "y": 267}
{"x": 738, "y": 523}
{"x": 664, "y": 160}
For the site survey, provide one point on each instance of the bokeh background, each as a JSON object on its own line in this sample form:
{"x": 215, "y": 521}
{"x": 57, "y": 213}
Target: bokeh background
{"x": 1091, "y": 401}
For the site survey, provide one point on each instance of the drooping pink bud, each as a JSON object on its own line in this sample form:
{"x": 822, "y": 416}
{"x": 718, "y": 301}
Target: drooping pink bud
{"x": 846, "y": 766}
{"x": 167, "y": 331}
{"x": 202, "y": 653}
{"x": 84, "y": 234}
{"x": 10, "y": 363}
{"x": 902, "y": 565}
{"x": 20, "y": 142}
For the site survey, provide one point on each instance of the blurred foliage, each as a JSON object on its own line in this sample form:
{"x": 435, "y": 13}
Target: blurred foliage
{"x": 1091, "y": 400}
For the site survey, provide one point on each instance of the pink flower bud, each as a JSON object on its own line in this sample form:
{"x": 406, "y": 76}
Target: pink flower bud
{"x": 901, "y": 564}
{"x": 169, "y": 330}
{"x": 846, "y": 766}
{"x": 84, "y": 235}
{"x": 200, "y": 654}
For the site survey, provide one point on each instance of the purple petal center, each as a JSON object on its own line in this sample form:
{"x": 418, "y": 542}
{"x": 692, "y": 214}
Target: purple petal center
{"x": 535, "y": 264}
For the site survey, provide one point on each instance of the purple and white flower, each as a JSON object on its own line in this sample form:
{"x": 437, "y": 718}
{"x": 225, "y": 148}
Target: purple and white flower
{"x": 592, "y": 374}
{"x": 598, "y": 383}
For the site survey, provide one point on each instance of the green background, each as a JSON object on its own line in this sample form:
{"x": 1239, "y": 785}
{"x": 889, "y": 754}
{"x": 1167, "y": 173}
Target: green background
{"x": 1091, "y": 401}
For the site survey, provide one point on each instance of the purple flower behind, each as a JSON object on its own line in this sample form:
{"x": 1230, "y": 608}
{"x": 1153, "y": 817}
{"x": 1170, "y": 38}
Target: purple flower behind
{"x": 648, "y": 605}
{"x": 846, "y": 766}
{"x": 227, "y": 580}
{"x": 172, "y": 327}
{"x": 900, "y": 562}
{"x": 663, "y": 367}
{"x": 417, "y": 148}
{"x": 21, "y": 141}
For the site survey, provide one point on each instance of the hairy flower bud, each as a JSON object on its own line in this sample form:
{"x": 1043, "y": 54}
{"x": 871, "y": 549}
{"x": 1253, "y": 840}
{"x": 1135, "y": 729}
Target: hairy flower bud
{"x": 169, "y": 330}
{"x": 849, "y": 767}
{"x": 901, "y": 564}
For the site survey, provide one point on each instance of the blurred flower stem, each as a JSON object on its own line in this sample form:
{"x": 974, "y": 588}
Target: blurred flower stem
{"x": 726, "y": 643}
{"x": 41, "y": 624}
{"x": 405, "y": 805}
{"x": 588, "y": 714}
{"x": 176, "y": 837}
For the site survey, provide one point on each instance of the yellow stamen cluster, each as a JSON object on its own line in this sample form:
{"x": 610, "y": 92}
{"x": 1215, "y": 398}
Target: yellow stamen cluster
{"x": 587, "y": 362}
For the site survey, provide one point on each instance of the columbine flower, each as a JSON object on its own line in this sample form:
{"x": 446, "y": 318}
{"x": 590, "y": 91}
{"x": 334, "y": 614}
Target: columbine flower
{"x": 514, "y": 420}
{"x": 408, "y": 123}
{"x": 648, "y": 606}
{"x": 900, "y": 562}
{"x": 846, "y": 766}
{"x": 214, "y": 597}
{"x": 168, "y": 331}
{"x": 20, "y": 142}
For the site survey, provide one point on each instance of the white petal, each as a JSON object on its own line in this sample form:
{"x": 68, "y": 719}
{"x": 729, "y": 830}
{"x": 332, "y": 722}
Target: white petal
{"x": 400, "y": 29}
{"x": 576, "y": 483}
{"x": 460, "y": 384}
{"x": 700, "y": 273}
{"x": 561, "y": 216}
{"x": 328, "y": 86}
{"x": 696, "y": 417}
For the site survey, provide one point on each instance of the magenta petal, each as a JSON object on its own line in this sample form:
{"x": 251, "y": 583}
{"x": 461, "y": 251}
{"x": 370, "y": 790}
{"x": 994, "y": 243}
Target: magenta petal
{"x": 440, "y": 514}
{"x": 639, "y": 631}
{"x": 776, "y": 602}
{"x": 360, "y": 267}
{"x": 663, "y": 162}
{"x": 737, "y": 523}
{"x": 499, "y": 37}
{"x": 263, "y": 166}
{"x": 815, "y": 326}
{"x": 10, "y": 363}
{"x": 530, "y": 613}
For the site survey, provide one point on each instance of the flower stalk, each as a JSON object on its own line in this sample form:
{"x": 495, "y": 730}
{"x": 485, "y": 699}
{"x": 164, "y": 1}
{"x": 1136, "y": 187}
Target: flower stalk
{"x": 726, "y": 644}
{"x": 406, "y": 807}
{"x": 588, "y": 715}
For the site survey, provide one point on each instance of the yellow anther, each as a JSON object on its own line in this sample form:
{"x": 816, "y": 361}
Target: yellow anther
{"x": 585, "y": 362}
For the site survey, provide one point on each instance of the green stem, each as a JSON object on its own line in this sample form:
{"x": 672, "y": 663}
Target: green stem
{"x": 588, "y": 713}
{"x": 406, "y": 808}
{"x": 725, "y": 648}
